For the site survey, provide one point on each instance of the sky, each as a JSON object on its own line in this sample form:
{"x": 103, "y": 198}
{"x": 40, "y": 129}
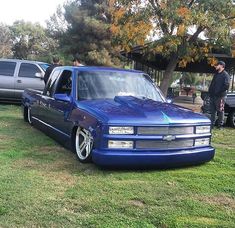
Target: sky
{"x": 28, "y": 10}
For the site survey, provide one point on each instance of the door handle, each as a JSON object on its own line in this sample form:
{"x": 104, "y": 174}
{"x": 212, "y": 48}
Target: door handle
{"x": 19, "y": 81}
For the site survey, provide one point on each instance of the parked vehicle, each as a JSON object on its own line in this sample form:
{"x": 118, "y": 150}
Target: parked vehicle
{"x": 117, "y": 117}
{"x": 17, "y": 75}
{"x": 229, "y": 108}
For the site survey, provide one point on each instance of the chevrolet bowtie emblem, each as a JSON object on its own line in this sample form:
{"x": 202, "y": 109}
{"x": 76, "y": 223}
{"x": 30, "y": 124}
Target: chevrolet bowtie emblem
{"x": 169, "y": 137}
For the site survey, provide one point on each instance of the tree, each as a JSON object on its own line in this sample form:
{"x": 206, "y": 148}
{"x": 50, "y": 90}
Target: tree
{"x": 30, "y": 41}
{"x": 88, "y": 32}
{"x": 191, "y": 79}
{"x": 57, "y": 25}
{"x": 5, "y": 41}
{"x": 174, "y": 28}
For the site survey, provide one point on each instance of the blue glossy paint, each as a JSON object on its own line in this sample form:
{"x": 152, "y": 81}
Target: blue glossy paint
{"x": 132, "y": 110}
{"x": 164, "y": 159}
{"x": 60, "y": 114}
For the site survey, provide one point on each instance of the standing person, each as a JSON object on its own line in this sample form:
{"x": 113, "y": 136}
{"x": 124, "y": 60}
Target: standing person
{"x": 56, "y": 63}
{"x": 217, "y": 92}
{"x": 76, "y": 61}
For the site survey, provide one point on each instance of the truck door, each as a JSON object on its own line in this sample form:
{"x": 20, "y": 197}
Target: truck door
{"x": 28, "y": 77}
{"x": 41, "y": 108}
{"x": 7, "y": 72}
{"x": 58, "y": 111}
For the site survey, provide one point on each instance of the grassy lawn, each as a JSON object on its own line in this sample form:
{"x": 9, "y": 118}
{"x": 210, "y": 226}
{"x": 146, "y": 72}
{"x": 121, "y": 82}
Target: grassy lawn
{"x": 43, "y": 185}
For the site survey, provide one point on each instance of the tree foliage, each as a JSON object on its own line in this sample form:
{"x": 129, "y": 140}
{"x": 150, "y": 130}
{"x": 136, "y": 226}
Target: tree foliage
{"x": 191, "y": 79}
{"x": 5, "y": 41}
{"x": 88, "y": 32}
{"x": 175, "y": 27}
{"x": 30, "y": 41}
{"x": 57, "y": 25}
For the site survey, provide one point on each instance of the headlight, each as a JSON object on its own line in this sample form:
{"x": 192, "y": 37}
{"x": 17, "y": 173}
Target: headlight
{"x": 202, "y": 142}
{"x": 120, "y": 144}
{"x": 121, "y": 130}
{"x": 203, "y": 129}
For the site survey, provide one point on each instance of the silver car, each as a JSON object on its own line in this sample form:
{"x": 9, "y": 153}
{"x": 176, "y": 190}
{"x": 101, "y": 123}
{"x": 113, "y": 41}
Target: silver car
{"x": 17, "y": 75}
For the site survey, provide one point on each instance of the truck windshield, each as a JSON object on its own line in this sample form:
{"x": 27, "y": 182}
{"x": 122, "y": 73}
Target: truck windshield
{"x": 44, "y": 66}
{"x": 108, "y": 84}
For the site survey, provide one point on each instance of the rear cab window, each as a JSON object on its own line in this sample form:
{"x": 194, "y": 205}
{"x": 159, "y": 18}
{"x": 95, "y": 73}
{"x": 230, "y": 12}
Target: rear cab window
{"x": 59, "y": 82}
{"x": 50, "y": 86}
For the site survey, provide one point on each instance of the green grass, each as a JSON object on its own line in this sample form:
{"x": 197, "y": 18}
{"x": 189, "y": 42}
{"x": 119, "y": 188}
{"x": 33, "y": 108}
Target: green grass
{"x": 43, "y": 185}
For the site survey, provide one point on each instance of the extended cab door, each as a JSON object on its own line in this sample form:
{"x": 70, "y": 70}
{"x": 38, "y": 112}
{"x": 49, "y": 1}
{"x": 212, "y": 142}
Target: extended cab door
{"x": 28, "y": 77}
{"x": 7, "y": 72}
{"x": 42, "y": 106}
{"x": 59, "y": 109}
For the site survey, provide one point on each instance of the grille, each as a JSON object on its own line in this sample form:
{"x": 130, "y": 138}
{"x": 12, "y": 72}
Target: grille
{"x": 157, "y": 144}
{"x": 165, "y": 130}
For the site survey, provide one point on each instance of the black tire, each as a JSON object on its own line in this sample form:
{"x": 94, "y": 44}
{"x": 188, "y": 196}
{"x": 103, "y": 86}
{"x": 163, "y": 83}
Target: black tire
{"x": 25, "y": 114}
{"x": 231, "y": 119}
{"x": 83, "y": 144}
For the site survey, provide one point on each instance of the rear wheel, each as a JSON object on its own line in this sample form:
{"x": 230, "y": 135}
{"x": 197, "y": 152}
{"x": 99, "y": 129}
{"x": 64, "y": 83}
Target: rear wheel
{"x": 83, "y": 145}
{"x": 25, "y": 114}
{"x": 231, "y": 119}
{"x": 29, "y": 115}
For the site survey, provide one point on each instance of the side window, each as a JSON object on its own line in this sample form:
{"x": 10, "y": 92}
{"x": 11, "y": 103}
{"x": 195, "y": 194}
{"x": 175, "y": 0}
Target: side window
{"x": 83, "y": 90}
{"x": 7, "y": 68}
{"x": 28, "y": 70}
{"x": 50, "y": 86}
{"x": 64, "y": 84}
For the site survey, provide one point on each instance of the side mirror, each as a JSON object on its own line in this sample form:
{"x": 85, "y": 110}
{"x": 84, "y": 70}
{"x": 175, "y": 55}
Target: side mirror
{"x": 62, "y": 97}
{"x": 39, "y": 75}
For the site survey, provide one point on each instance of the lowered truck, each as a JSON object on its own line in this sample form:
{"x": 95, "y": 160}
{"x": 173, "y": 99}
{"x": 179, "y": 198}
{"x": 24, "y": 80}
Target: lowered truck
{"x": 117, "y": 117}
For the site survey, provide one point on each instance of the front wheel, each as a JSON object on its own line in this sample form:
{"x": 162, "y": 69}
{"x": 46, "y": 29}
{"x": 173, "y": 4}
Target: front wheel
{"x": 83, "y": 145}
{"x": 231, "y": 119}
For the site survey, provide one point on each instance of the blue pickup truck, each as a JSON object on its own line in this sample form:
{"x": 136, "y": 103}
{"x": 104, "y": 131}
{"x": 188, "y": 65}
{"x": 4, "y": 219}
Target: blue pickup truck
{"x": 117, "y": 117}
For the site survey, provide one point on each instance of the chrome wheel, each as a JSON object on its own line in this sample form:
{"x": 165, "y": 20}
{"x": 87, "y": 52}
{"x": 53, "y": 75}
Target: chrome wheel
{"x": 83, "y": 145}
{"x": 29, "y": 116}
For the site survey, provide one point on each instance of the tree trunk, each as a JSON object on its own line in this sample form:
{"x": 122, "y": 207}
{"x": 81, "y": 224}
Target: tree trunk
{"x": 168, "y": 73}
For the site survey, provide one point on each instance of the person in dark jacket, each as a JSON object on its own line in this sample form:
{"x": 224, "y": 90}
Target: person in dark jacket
{"x": 217, "y": 92}
{"x": 56, "y": 63}
{"x": 77, "y": 61}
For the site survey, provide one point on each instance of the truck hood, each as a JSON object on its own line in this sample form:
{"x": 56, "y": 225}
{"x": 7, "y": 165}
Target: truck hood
{"x": 132, "y": 110}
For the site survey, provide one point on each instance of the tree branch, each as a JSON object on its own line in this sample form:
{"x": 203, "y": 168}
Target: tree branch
{"x": 191, "y": 3}
{"x": 172, "y": 28}
{"x": 196, "y": 34}
{"x": 229, "y": 18}
{"x": 156, "y": 8}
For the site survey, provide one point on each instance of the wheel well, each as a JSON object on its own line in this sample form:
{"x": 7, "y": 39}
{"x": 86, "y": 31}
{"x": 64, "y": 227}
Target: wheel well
{"x": 73, "y": 137}
{"x": 231, "y": 110}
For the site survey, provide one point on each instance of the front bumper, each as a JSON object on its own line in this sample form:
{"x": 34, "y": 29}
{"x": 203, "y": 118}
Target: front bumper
{"x": 161, "y": 159}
